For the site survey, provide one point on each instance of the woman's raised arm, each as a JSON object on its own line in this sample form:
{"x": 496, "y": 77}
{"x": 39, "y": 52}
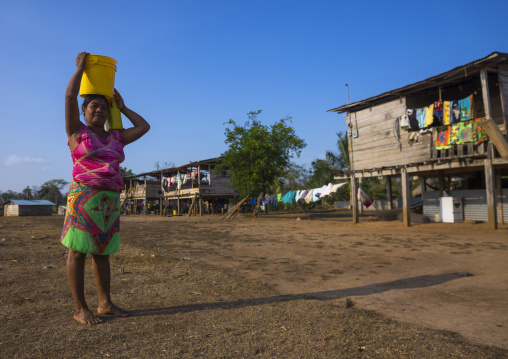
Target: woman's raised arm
{"x": 72, "y": 123}
{"x": 141, "y": 127}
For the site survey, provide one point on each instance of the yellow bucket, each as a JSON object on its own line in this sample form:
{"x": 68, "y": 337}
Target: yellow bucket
{"x": 174, "y": 212}
{"x": 99, "y": 76}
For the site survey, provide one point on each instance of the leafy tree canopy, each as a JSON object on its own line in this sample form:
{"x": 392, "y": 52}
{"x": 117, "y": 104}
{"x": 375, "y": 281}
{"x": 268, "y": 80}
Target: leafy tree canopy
{"x": 259, "y": 155}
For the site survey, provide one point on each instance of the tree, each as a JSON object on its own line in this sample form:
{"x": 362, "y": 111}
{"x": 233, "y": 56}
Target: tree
{"x": 126, "y": 172}
{"x": 51, "y": 190}
{"x": 258, "y": 155}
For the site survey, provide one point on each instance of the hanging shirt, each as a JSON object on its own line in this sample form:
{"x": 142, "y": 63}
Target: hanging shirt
{"x": 308, "y": 197}
{"x": 289, "y": 197}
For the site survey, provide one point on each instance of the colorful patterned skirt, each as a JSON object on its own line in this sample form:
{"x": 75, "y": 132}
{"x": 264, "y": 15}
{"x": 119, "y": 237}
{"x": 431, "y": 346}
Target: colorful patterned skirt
{"x": 92, "y": 220}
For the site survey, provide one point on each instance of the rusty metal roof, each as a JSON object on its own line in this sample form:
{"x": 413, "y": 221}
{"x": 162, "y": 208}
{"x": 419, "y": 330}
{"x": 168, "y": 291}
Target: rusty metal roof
{"x": 452, "y": 75}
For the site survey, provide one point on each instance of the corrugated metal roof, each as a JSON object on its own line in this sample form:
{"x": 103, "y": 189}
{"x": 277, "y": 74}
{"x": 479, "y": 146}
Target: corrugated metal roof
{"x": 31, "y": 202}
{"x": 470, "y": 68}
{"x": 166, "y": 170}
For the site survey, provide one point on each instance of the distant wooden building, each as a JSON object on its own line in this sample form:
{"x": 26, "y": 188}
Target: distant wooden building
{"x": 23, "y": 207}
{"x": 170, "y": 188}
{"x": 381, "y": 145}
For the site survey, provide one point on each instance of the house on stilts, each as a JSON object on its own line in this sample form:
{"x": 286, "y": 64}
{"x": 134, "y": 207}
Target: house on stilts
{"x": 450, "y": 128}
{"x": 182, "y": 189}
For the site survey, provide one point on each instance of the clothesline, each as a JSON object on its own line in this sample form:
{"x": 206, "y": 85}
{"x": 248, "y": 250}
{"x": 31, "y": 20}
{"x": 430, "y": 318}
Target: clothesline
{"x": 305, "y": 195}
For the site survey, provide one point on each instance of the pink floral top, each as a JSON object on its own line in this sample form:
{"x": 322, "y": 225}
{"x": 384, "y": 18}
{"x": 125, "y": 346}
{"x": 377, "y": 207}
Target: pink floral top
{"x": 96, "y": 162}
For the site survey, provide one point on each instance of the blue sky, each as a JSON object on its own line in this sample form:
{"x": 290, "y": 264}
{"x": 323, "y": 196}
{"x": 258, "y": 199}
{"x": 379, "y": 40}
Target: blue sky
{"x": 189, "y": 66}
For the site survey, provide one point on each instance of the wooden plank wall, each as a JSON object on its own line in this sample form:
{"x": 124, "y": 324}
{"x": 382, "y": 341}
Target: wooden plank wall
{"x": 381, "y": 142}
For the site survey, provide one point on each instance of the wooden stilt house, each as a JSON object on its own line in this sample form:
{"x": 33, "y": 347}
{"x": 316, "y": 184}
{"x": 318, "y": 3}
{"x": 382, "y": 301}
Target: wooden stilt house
{"x": 172, "y": 189}
{"x": 405, "y": 133}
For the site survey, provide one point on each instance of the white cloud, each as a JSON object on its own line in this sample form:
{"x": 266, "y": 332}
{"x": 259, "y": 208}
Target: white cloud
{"x": 17, "y": 160}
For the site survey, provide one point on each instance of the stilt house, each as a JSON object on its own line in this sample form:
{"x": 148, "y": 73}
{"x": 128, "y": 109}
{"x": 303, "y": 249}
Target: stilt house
{"x": 172, "y": 189}
{"x": 405, "y": 133}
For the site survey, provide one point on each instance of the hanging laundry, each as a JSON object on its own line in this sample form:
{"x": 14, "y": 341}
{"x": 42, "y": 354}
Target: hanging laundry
{"x": 289, "y": 197}
{"x": 364, "y": 198}
{"x": 327, "y": 190}
{"x": 465, "y": 109}
{"x": 455, "y": 111}
{"x": 446, "y": 113}
{"x": 429, "y": 115}
{"x": 308, "y": 197}
{"x": 404, "y": 121}
{"x": 420, "y": 117}
{"x": 443, "y": 138}
{"x": 479, "y": 134}
{"x": 335, "y": 187}
{"x": 473, "y": 109}
{"x": 466, "y": 132}
{"x": 455, "y": 138}
{"x": 413, "y": 122}
{"x": 316, "y": 193}
{"x": 438, "y": 113}
{"x": 302, "y": 195}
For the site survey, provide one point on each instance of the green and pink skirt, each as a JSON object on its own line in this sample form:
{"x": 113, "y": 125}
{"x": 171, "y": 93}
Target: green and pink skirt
{"x": 92, "y": 220}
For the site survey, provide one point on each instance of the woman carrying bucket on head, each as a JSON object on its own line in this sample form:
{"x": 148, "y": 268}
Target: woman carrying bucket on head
{"x": 92, "y": 220}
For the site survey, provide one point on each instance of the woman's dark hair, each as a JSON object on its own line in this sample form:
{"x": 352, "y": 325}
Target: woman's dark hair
{"x": 90, "y": 98}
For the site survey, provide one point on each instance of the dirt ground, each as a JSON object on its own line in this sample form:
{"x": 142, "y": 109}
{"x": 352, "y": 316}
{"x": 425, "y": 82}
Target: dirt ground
{"x": 271, "y": 287}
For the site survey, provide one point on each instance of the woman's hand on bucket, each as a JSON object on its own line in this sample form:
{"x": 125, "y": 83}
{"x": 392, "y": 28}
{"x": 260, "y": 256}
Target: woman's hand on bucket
{"x": 118, "y": 99}
{"x": 81, "y": 60}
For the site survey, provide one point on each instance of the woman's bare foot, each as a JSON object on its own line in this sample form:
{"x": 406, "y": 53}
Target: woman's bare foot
{"x": 111, "y": 309}
{"x": 85, "y": 316}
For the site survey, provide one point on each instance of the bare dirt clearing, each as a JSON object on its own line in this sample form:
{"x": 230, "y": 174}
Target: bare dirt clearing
{"x": 273, "y": 287}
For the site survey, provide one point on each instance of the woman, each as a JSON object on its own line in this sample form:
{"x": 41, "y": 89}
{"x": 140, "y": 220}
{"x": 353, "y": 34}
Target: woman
{"x": 92, "y": 220}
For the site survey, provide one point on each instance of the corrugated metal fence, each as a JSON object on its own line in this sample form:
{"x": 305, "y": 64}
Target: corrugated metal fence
{"x": 474, "y": 203}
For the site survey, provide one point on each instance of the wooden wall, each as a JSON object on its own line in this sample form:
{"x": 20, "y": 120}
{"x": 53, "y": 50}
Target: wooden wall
{"x": 17, "y": 210}
{"x": 381, "y": 142}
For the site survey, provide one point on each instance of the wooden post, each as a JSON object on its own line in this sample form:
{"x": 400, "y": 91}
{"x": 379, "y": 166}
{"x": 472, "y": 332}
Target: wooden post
{"x": 404, "y": 178}
{"x": 485, "y": 92}
{"x": 200, "y": 204}
{"x": 389, "y": 204}
{"x": 499, "y": 189}
{"x": 502, "y": 76}
{"x": 354, "y": 198}
{"x": 490, "y": 190}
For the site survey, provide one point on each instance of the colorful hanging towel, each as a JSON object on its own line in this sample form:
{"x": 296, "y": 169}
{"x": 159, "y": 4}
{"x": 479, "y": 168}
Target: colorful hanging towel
{"x": 455, "y": 138}
{"x": 466, "y": 132}
{"x": 429, "y": 115}
{"x": 455, "y": 111}
{"x": 465, "y": 109}
{"x": 446, "y": 113}
{"x": 92, "y": 220}
{"x": 443, "y": 138}
{"x": 420, "y": 117}
{"x": 479, "y": 134}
